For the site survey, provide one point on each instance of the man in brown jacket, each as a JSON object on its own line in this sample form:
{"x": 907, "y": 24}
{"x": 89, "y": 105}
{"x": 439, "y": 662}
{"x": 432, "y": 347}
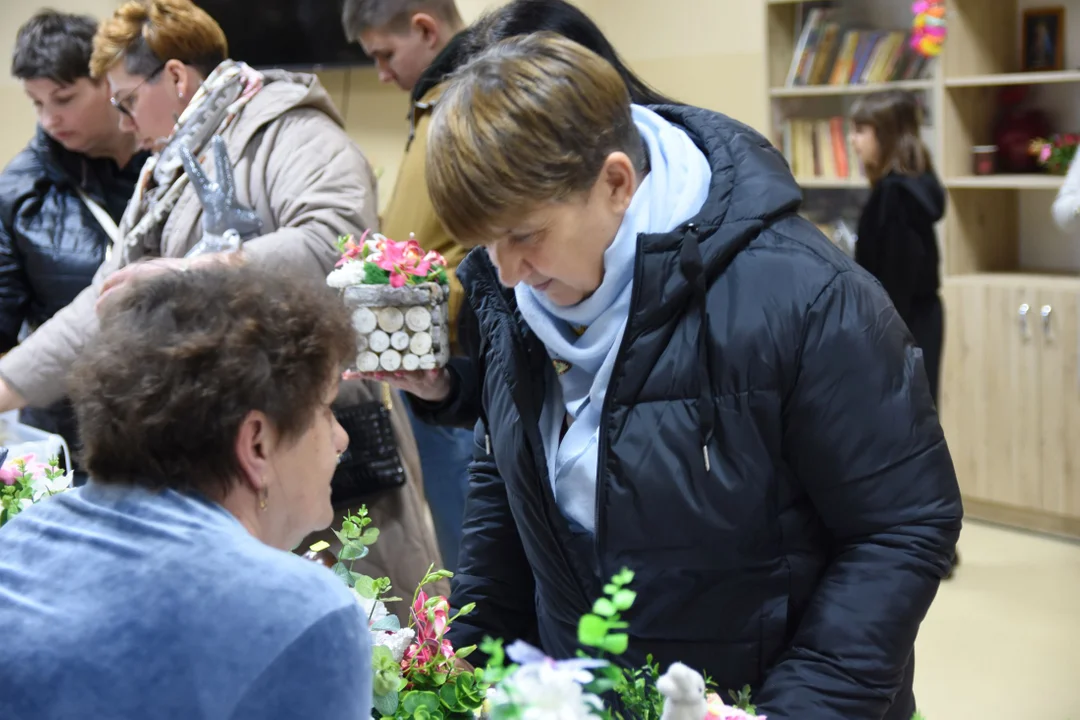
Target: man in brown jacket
{"x": 415, "y": 44}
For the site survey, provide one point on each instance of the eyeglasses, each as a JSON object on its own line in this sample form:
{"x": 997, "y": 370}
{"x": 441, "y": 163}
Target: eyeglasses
{"x": 126, "y": 104}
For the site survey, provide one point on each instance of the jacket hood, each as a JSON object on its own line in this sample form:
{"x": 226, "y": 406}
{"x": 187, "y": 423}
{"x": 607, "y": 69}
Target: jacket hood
{"x": 925, "y": 189}
{"x": 751, "y": 185}
{"x": 285, "y": 91}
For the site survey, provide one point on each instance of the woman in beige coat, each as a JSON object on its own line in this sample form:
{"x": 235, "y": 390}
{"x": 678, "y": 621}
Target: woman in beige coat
{"x": 293, "y": 185}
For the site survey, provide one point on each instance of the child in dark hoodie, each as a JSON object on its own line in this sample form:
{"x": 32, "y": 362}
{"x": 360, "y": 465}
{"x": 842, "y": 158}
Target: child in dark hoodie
{"x": 897, "y": 242}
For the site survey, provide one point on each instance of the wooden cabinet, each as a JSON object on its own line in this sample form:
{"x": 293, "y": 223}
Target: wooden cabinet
{"x": 1010, "y": 400}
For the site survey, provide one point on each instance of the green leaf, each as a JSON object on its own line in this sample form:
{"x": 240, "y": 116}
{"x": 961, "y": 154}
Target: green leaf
{"x": 351, "y": 552}
{"x": 616, "y": 644}
{"x": 390, "y": 623}
{"x": 448, "y": 695}
{"x": 592, "y": 630}
{"x": 624, "y": 577}
{"x": 624, "y": 599}
{"x": 465, "y": 652}
{"x": 370, "y": 536}
{"x": 365, "y": 587}
{"x": 386, "y": 704}
{"x": 350, "y": 530}
{"x": 343, "y": 572}
{"x": 414, "y": 701}
{"x": 374, "y": 275}
{"x": 604, "y": 608}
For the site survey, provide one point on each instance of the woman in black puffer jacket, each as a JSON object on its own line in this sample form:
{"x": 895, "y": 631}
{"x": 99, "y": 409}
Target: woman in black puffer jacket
{"x": 679, "y": 375}
{"x": 62, "y": 196}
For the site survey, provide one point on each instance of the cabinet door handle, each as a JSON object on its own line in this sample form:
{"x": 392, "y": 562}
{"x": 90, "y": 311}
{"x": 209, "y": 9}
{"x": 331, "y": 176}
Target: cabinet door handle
{"x": 1025, "y": 331}
{"x": 1048, "y": 328}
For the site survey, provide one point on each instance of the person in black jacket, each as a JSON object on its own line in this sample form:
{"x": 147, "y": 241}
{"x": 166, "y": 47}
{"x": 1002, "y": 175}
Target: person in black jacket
{"x": 61, "y": 197}
{"x": 897, "y": 242}
{"x": 448, "y": 396}
{"x": 681, "y": 376}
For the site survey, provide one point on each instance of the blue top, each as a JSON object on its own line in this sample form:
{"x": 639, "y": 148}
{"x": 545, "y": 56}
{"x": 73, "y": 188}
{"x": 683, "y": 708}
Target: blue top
{"x": 122, "y": 603}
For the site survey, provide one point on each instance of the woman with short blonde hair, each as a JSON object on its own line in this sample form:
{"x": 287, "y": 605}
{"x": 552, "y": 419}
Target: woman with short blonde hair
{"x": 682, "y": 376}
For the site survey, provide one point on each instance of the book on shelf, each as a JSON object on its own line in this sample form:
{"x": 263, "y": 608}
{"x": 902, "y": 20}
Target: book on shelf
{"x": 828, "y": 53}
{"x": 820, "y": 148}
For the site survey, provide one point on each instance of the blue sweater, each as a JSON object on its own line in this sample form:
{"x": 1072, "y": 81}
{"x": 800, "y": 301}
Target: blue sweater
{"x": 120, "y": 603}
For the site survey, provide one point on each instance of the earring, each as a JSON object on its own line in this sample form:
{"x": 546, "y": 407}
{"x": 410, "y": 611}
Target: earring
{"x": 180, "y": 94}
{"x": 264, "y": 495}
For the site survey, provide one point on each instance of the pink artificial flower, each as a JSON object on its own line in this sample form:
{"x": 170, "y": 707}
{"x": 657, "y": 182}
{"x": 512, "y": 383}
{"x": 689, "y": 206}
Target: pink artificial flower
{"x": 353, "y": 250}
{"x": 9, "y": 474}
{"x": 434, "y": 258}
{"x": 1044, "y": 154}
{"x": 718, "y": 710}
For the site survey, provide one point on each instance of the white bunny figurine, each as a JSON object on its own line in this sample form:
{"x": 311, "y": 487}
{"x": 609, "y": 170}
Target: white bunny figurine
{"x": 684, "y": 694}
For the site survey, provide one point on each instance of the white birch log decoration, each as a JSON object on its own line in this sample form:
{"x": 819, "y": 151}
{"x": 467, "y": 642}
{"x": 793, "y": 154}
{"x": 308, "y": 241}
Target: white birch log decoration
{"x": 390, "y": 361}
{"x": 391, "y": 319}
{"x": 378, "y": 341}
{"x": 409, "y": 320}
{"x": 364, "y": 320}
{"x": 420, "y": 343}
{"x": 367, "y": 362}
{"x": 418, "y": 319}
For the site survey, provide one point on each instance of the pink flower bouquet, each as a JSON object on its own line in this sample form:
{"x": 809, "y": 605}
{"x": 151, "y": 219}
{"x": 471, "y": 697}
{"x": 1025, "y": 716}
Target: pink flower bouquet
{"x": 377, "y": 260}
{"x": 24, "y": 482}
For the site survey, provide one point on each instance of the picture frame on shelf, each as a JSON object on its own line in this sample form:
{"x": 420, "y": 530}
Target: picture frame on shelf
{"x": 1043, "y": 39}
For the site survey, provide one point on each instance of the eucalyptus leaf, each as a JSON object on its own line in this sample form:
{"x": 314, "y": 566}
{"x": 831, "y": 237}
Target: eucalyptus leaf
{"x": 349, "y": 552}
{"x": 365, "y": 587}
{"x": 592, "y": 629}
{"x": 624, "y": 599}
{"x": 343, "y": 572}
{"x": 370, "y": 536}
{"x": 605, "y": 608}
{"x": 390, "y": 623}
{"x": 616, "y": 644}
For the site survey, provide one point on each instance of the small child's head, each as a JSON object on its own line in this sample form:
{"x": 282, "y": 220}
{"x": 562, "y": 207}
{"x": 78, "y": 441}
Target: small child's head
{"x": 886, "y": 135}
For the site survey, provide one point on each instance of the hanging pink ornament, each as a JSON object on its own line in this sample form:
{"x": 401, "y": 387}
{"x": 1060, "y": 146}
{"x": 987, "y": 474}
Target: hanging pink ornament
{"x": 928, "y": 27}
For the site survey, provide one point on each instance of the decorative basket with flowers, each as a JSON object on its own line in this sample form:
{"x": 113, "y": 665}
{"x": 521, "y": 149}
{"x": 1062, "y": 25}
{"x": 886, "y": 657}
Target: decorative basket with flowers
{"x": 399, "y": 297}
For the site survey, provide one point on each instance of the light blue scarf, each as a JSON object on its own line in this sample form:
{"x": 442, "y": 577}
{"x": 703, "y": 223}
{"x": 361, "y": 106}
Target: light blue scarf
{"x": 673, "y": 192}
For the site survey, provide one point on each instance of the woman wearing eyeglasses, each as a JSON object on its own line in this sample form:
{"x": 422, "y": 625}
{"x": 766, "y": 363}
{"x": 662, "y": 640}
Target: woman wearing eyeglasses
{"x": 62, "y": 196}
{"x": 293, "y": 183}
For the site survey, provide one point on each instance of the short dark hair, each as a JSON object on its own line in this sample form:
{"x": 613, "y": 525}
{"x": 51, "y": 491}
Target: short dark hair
{"x": 358, "y": 16}
{"x": 522, "y": 17}
{"x": 55, "y": 46}
{"x": 183, "y": 357}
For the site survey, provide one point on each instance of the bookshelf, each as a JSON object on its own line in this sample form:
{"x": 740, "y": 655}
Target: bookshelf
{"x": 1010, "y": 401}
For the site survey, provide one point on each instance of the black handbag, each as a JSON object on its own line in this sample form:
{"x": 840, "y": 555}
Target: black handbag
{"x": 371, "y": 464}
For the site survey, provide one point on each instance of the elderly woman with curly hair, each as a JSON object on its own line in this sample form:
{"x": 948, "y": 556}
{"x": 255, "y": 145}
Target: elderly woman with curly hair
{"x": 281, "y": 172}
{"x": 165, "y": 586}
